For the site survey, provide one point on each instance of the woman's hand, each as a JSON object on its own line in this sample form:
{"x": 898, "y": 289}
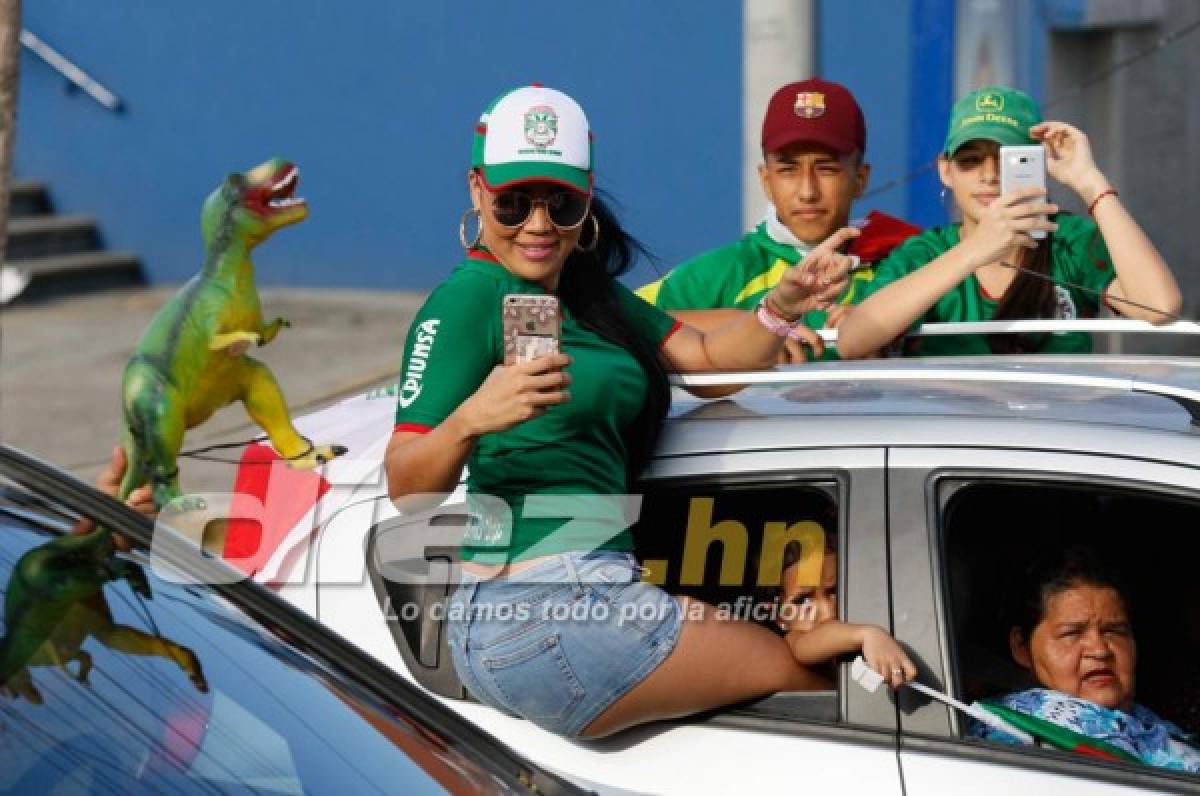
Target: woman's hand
{"x": 108, "y": 481}
{"x": 817, "y": 281}
{"x": 797, "y": 345}
{"x": 512, "y": 394}
{"x": 1006, "y": 223}
{"x": 1069, "y": 158}
{"x": 795, "y": 351}
{"x": 885, "y": 656}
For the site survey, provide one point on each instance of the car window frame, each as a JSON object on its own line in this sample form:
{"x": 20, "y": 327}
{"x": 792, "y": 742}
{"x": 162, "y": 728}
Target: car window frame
{"x": 867, "y": 719}
{"x": 915, "y": 479}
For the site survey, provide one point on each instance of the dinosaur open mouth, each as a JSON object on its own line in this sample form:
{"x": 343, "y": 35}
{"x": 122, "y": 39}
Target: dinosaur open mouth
{"x": 270, "y": 193}
{"x": 281, "y": 194}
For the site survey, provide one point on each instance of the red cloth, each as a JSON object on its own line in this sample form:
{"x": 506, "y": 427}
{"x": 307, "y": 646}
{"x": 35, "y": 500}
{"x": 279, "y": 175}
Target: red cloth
{"x": 880, "y": 235}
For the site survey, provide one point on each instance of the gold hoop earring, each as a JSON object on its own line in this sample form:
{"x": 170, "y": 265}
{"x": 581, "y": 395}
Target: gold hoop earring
{"x": 462, "y": 229}
{"x": 591, "y": 247}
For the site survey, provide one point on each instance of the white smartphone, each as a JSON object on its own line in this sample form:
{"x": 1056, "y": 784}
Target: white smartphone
{"x": 1023, "y": 167}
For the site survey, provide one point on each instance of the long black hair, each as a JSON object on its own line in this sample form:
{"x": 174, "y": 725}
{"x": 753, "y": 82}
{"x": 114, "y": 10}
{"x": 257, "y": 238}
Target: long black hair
{"x": 587, "y": 288}
{"x": 1031, "y": 295}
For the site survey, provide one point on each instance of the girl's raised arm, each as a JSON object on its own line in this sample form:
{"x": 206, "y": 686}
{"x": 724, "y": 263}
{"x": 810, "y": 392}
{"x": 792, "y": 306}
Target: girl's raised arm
{"x": 1142, "y": 274}
{"x": 889, "y": 312}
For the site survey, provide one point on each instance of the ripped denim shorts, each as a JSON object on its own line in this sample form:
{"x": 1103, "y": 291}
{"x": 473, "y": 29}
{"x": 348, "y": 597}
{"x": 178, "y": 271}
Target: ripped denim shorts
{"x": 559, "y": 642}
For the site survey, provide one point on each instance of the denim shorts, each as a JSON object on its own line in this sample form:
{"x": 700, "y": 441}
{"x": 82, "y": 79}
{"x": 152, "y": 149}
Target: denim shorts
{"x": 559, "y": 642}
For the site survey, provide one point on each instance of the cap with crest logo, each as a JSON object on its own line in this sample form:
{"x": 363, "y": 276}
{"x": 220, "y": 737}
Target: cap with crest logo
{"x": 534, "y": 134}
{"x": 814, "y": 111}
{"x": 992, "y": 113}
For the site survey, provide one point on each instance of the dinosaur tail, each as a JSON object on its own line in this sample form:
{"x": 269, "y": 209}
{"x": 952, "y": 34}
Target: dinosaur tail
{"x": 142, "y": 399}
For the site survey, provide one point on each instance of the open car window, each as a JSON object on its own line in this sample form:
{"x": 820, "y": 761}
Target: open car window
{"x": 726, "y": 543}
{"x": 992, "y": 530}
{"x": 720, "y": 542}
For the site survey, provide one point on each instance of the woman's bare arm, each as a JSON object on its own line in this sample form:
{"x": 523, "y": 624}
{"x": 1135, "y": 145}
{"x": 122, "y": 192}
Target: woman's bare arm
{"x": 887, "y": 314}
{"x": 742, "y": 342}
{"x": 829, "y": 640}
{"x": 826, "y": 641}
{"x": 1142, "y": 274}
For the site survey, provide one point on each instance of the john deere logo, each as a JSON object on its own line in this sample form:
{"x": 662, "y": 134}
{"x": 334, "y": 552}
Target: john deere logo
{"x": 541, "y": 126}
{"x": 990, "y": 101}
{"x": 810, "y": 104}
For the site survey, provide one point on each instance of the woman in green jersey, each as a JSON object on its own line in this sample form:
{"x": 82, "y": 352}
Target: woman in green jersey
{"x": 969, "y": 271}
{"x": 552, "y": 621}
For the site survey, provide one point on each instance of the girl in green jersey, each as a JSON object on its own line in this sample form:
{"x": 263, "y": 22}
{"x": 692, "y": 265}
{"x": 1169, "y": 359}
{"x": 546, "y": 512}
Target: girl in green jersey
{"x": 969, "y": 271}
{"x": 572, "y": 426}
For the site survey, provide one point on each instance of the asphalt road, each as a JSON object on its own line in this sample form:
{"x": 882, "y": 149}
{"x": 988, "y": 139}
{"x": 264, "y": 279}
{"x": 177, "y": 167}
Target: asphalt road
{"x": 61, "y": 363}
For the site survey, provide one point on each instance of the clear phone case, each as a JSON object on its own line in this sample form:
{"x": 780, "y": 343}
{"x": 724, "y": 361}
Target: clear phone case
{"x": 532, "y": 326}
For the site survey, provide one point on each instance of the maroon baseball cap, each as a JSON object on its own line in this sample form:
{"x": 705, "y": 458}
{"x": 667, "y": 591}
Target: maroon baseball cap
{"x": 814, "y": 112}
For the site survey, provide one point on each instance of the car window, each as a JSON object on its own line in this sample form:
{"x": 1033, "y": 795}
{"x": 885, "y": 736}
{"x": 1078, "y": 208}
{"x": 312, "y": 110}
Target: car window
{"x": 994, "y": 531}
{"x": 114, "y": 679}
{"x": 728, "y": 544}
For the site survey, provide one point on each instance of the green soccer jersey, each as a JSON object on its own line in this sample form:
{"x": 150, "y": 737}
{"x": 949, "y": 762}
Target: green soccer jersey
{"x": 738, "y": 276}
{"x": 576, "y": 448}
{"x": 1079, "y": 265}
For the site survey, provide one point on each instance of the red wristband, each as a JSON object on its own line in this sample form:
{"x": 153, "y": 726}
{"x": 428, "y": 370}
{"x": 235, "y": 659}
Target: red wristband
{"x": 1096, "y": 201}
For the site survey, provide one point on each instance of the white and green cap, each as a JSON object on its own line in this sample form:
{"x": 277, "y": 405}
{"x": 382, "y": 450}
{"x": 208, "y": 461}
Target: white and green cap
{"x": 534, "y": 134}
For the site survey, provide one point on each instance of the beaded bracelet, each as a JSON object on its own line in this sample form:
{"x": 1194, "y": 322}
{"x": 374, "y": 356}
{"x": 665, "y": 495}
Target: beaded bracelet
{"x": 777, "y": 324}
{"x": 770, "y": 321}
{"x": 1106, "y": 192}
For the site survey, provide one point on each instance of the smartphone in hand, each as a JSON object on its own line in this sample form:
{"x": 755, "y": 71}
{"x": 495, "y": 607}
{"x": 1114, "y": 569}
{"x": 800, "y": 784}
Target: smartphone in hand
{"x": 1023, "y": 167}
{"x": 532, "y": 325}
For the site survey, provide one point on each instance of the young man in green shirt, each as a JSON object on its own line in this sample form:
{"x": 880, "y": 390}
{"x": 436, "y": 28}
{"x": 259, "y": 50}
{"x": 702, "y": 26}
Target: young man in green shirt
{"x": 814, "y": 139}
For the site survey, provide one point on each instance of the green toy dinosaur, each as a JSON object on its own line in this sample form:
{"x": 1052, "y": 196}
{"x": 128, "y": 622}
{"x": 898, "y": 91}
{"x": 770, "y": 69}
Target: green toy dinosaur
{"x": 191, "y": 360}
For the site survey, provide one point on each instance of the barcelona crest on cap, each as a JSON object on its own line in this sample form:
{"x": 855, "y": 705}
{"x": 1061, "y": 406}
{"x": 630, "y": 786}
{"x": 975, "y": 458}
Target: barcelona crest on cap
{"x": 810, "y": 104}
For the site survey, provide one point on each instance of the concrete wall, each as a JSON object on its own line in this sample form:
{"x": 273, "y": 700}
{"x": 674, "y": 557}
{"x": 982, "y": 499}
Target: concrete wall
{"x": 376, "y": 102}
{"x": 1143, "y": 119}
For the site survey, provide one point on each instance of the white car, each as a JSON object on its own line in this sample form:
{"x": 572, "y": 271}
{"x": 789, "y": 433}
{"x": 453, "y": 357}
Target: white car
{"x": 941, "y": 478}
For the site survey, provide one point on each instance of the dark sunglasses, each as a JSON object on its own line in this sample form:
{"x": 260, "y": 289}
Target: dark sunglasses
{"x": 513, "y": 207}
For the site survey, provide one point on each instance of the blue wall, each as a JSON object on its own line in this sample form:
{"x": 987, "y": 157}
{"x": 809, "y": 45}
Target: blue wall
{"x": 854, "y": 42}
{"x": 897, "y": 58}
{"x": 376, "y": 102}
{"x": 931, "y": 95}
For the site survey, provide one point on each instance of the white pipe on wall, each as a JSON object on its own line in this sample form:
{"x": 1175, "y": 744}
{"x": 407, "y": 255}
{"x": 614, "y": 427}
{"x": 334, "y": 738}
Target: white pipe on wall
{"x": 778, "y": 46}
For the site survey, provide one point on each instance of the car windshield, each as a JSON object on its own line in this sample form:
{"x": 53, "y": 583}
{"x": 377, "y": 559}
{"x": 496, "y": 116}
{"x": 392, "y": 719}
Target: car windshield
{"x": 115, "y": 680}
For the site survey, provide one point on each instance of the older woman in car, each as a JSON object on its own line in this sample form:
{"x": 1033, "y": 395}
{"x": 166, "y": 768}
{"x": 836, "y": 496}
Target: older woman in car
{"x": 1071, "y": 629}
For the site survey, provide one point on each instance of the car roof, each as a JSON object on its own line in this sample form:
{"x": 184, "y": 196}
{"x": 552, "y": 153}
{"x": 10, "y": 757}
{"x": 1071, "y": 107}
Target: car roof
{"x": 1071, "y": 402}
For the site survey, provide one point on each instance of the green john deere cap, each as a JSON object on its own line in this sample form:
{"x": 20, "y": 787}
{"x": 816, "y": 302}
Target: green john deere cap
{"x": 994, "y": 113}
{"x": 534, "y": 134}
